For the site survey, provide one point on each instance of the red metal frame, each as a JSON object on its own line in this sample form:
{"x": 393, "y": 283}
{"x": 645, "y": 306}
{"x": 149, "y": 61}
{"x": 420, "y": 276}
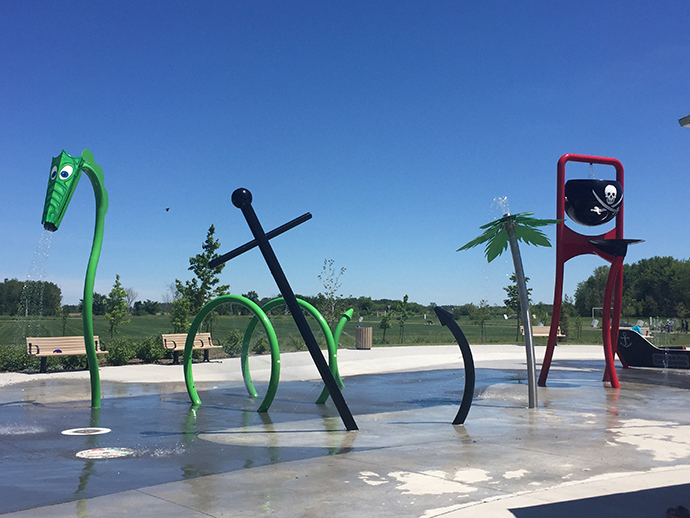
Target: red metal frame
{"x": 570, "y": 244}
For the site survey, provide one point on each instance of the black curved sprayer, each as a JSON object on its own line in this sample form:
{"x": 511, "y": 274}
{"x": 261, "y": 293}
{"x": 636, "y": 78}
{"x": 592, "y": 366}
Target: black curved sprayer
{"x": 447, "y": 320}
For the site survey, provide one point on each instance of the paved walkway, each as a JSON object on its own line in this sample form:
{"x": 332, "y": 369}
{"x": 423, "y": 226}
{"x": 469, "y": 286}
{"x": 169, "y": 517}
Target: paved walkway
{"x": 587, "y": 450}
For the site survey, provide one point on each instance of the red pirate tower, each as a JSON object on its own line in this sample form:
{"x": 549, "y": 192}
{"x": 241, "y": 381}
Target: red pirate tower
{"x": 590, "y": 202}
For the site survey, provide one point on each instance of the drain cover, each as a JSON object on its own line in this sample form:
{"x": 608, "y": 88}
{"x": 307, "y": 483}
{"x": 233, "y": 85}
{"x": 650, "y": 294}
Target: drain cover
{"x": 105, "y": 453}
{"x": 86, "y": 431}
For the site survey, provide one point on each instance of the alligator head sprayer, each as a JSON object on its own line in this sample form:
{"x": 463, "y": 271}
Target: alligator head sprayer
{"x": 65, "y": 171}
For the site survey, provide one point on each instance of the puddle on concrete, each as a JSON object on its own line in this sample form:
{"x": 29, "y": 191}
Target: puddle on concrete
{"x": 20, "y": 429}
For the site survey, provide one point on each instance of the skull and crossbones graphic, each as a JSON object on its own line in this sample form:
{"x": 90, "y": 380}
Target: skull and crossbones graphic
{"x": 610, "y": 205}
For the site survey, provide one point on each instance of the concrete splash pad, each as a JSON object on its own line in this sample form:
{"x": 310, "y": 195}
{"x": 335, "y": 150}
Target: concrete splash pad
{"x": 585, "y": 449}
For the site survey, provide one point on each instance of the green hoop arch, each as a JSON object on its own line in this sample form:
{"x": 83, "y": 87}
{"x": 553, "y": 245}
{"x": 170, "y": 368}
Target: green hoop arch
{"x": 344, "y": 319}
{"x": 330, "y": 343}
{"x": 259, "y": 315}
{"x": 347, "y": 315}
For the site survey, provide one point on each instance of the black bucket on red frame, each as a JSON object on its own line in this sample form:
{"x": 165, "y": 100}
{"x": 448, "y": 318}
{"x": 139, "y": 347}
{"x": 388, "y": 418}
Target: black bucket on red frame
{"x": 592, "y": 202}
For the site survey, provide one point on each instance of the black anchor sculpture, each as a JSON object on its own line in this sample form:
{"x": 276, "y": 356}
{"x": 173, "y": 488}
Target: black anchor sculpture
{"x": 242, "y": 199}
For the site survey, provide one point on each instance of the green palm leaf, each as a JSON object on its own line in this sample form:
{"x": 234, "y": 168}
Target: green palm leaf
{"x": 505, "y": 219}
{"x": 531, "y": 236}
{"x": 486, "y": 236}
{"x": 496, "y": 238}
{"x": 496, "y": 246}
{"x": 535, "y": 222}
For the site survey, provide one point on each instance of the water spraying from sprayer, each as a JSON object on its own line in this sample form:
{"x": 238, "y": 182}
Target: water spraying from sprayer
{"x": 30, "y": 308}
{"x": 502, "y": 203}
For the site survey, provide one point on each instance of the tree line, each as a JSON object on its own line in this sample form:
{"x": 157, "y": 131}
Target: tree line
{"x": 658, "y": 286}
{"x": 20, "y": 298}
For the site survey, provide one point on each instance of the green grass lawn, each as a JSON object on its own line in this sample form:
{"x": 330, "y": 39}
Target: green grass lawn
{"x": 417, "y": 331}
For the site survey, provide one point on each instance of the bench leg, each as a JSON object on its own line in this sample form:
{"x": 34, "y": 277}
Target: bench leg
{"x": 44, "y": 364}
{"x": 176, "y": 357}
{"x": 206, "y": 351}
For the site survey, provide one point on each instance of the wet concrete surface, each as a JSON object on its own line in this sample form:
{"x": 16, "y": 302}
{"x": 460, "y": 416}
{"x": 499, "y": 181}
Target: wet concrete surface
{"x": 225, "y": 459}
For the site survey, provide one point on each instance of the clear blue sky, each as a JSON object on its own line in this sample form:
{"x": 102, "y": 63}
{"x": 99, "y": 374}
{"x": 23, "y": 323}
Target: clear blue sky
{"x": 395, "y": 123}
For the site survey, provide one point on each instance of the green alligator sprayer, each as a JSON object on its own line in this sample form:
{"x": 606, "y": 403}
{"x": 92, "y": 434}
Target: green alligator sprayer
{"x": 65, "y": 171}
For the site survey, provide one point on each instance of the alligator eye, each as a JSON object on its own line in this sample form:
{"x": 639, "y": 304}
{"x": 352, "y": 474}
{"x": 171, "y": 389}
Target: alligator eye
{"x": 66, "y": 172}
{"x": 53, "y": 172}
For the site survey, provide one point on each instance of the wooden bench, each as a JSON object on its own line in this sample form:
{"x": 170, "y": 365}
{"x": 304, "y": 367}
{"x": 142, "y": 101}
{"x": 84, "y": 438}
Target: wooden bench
{"x": 542, "y": 331}
{"x": 176, "y": 342}
{"x": 44, "y": 346}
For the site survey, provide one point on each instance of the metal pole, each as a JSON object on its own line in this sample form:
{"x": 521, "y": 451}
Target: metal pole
{"x": 526, "y": 317}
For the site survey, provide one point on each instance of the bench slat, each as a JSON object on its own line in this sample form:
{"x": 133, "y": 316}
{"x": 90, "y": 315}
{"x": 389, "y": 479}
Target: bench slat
{"x": 176, "y": 341}
{"x": 542, "y": 331}
{"x": 59, "y": 346}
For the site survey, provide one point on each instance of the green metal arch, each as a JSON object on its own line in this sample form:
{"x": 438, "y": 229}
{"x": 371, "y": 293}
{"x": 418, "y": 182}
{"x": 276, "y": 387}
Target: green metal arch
{"x": 331, "y": 344}
{"x": 347, "y": 315}
{"x": 344, "y": 319}
{"x": 259, "y": 315}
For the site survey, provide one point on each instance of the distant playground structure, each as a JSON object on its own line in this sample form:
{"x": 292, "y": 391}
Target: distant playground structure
{"x": 635, "y": 350}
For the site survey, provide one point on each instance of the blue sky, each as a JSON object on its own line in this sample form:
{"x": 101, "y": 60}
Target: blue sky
{"x": 395, "y": 123}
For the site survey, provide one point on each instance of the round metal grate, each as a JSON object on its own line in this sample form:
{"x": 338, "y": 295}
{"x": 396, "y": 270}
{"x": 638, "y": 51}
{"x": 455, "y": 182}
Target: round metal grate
{"x": 105, "y": 453}
{"x": 86, "y": 431}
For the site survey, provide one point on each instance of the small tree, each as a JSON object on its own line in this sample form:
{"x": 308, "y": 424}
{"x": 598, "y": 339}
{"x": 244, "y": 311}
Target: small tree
{"x": 117, "y": 307}
{"x": 540, "y": 312}
{"x": 513, "y": 301}
{"x": 252, "y": 295}
{"x": 148, "y": 307}
{"x": 63, "y": 315}
{"x": 564, "y": 323}
{"x": 131, "y": 297}
{"x": 204, "y": 287}
{"x": 330, "y": 278}
{"x": 179, "y": 315}
{"x": 402, "y": 308}
{"x": 567, "y": 311}
{"x": 364, "y": 305}
{"x": 479, "y": 316}
{"x": 578, "y": 326}
{"x": 100, "y": 304}
{"x": 385, "y": 324}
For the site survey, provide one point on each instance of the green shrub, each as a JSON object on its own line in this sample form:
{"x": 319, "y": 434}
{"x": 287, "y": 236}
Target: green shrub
{"x": 13, "y": 358}
{"x": 121, "y": 350}
{"x": 53, "y": 363}
{"x": 150, "y": 349}
{"x": 260, "y": 346}
{"x": 76, "y": 362}
{"x": 232, "y": 345}
{"x": 293, "y": 343}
